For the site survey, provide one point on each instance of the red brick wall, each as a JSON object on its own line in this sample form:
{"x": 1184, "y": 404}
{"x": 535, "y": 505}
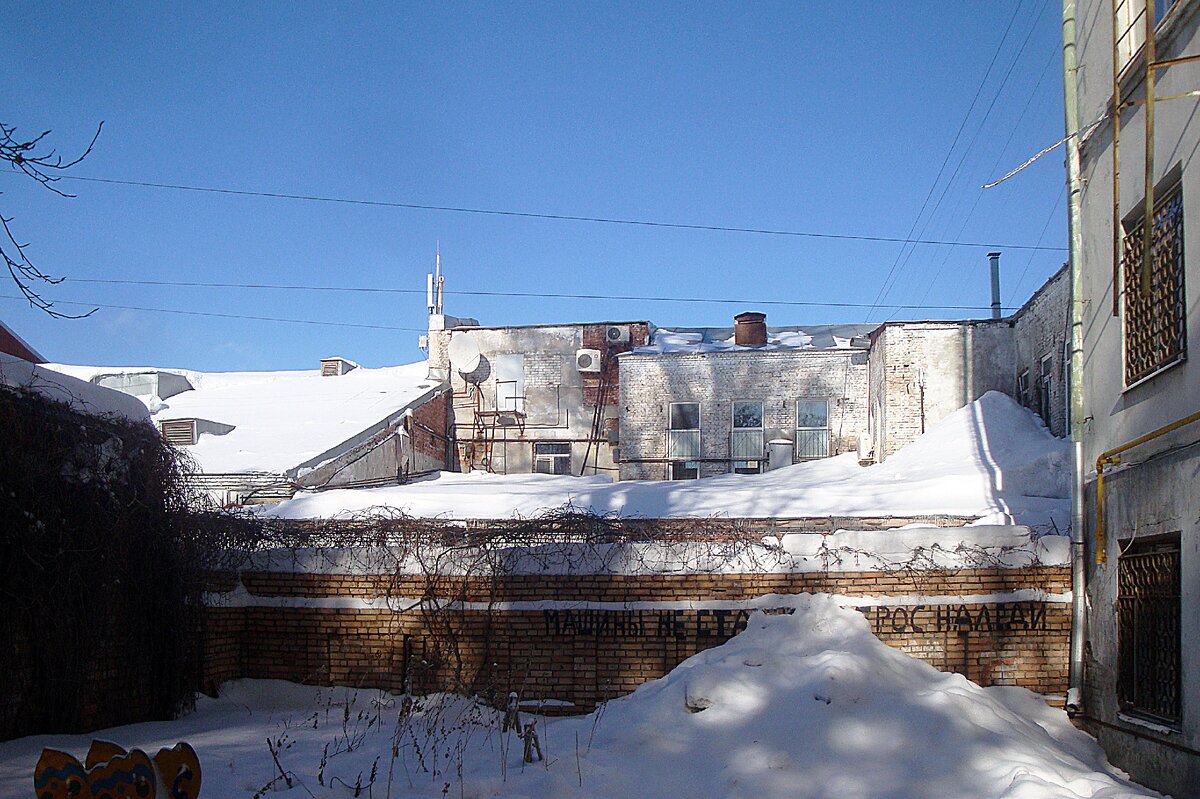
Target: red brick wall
{"x": 433, "y": 415}
{"x": 593, "y": 339}
{"x": 585, "y": 656}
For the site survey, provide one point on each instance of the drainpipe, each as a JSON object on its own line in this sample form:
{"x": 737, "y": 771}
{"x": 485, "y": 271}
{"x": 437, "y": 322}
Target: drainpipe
{"x": 994, "y": 259}
{"x": 1074, "y": 699}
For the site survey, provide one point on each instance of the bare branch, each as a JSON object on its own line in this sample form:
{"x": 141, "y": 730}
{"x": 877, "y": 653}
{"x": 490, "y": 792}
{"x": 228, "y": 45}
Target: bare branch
{"x": 39, "y": 165}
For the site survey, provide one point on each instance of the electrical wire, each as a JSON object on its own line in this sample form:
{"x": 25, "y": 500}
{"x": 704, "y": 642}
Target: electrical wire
{"x": 227, "y": 315}
{"x": 555, "y": 217}
{"x": 518, "y": 294}
{"x": 925, "y": 203}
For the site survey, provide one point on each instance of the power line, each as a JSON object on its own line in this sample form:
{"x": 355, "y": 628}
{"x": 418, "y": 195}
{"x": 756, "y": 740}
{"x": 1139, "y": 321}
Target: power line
{"x": 941, "y": 170}
{"x": 554, "y": 217}
{"x": 227, "y": 315}
{"x": 516, "y": 294}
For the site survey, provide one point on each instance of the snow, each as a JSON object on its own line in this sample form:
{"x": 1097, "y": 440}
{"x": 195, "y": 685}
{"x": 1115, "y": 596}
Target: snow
{"x": 79, "y": 394}
{"x": 721, "y": 339}
{"x": 281, "y": 420}
{"x": 992, "y": 459}
{"x": 806, "y": 706}
{"x": 976, "y": 546}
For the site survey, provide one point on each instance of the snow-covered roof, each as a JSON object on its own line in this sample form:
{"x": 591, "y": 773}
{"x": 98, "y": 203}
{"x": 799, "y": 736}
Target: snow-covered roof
{"x": 13, "y": 344}
{"x": 993, "y": 459}
{"x": 280, "y": 420}
{"x": 79, "y": 394}
{"x": 720, "y": 339}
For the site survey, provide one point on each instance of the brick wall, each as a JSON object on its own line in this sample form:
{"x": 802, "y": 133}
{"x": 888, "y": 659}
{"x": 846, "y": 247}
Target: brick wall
{"x": 1040, "y": 330}
{"x": 570, "y": 647}
{"x": 649, "y": 383}
{"x": 428, "y": 434}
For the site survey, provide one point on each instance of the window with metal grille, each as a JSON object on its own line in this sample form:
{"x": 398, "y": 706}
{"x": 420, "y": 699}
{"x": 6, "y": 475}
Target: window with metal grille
{"x": 179, "y": 433}
{"x": 812, "y": 429}
{"x": 552, "y": 457}
{"x": 1148, "y": 641}
{"x": 1155, "y": 313}
{"x": 746, "y": 440}
{"x": 683, "y": 440}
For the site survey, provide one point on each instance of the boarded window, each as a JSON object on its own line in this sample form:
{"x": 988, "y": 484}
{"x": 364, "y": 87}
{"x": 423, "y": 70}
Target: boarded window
{"x": 510, "y": 382}
{"x": 1045, "y": 388}
{"x": 746, "y": 439}
{"x": 1155, "y": 311}
{"x": 552, "y": 457}
{"x": 1149, "y": 666}
{"x": 812, "y": 429}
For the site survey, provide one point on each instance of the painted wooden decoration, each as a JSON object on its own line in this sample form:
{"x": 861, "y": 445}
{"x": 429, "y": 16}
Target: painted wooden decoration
{"x": 128, "y": 776}
{"x": 179, "y": 770}
{"x": 60, "y": 776}
{"x": 109, "y": 772}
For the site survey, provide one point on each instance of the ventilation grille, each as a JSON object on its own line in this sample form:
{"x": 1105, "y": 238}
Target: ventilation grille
{"x": 181, "y": 433}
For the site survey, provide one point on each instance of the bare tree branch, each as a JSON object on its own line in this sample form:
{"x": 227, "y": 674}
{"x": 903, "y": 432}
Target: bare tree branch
{"x": 31, "y": 157}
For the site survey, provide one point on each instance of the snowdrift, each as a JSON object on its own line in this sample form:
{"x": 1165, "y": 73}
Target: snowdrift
{"x": 993, "y": 459}
{"x": 805, "y": 706}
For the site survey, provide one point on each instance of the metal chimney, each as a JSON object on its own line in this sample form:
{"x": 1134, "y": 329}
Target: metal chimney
{"x": 994, "y": 257}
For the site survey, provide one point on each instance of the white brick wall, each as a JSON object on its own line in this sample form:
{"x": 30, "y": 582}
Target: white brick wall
{"x": 777, "y": 378}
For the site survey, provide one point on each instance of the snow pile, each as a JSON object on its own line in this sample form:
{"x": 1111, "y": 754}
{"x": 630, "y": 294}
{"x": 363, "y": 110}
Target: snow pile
{"x": 280, "y": 420}
{"x": 991, "y": 459}
{"x": 721, "y": 339}
{"x": 806, "y": 706}
{"x": 79, "y": 394}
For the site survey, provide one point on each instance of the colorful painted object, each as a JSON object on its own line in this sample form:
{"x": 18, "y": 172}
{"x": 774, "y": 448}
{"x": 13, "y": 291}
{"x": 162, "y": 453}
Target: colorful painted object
{"x": 179, "y": 770}
{"x": 60, "y": 776}
{"x": 109, "y": 772}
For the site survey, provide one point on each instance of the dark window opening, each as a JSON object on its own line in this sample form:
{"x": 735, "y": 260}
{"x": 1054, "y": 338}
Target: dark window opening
{"x": 1149, "y": 664}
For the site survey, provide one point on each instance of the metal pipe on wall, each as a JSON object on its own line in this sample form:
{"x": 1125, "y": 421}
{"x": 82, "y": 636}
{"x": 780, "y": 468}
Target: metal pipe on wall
{"x": 1074, "y": 698}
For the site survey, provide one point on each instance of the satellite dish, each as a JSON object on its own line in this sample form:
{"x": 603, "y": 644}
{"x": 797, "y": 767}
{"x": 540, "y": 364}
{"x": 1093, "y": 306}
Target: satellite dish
{"x": 464, "y": 353}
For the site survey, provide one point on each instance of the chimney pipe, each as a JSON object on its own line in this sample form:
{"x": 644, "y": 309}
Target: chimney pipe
{"x": 750, "y": 329}
{"x": 994, "y": 257}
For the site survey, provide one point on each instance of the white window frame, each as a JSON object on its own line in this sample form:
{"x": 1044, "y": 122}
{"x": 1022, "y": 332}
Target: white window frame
{"x": 739, "y": 464}
{"x": 552, "y": 459}
{"x": 826, "y": 441}
{"x": 683, "y": 462}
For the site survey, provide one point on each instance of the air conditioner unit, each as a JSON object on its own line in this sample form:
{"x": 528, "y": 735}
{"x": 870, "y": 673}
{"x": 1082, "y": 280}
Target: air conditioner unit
{"x": 587, "y": 360}
{"x": 616, "y": 334}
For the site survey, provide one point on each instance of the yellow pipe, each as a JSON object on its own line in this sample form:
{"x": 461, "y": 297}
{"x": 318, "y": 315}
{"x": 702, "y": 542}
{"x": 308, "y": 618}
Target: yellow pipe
{"x": 1112, "y": 456}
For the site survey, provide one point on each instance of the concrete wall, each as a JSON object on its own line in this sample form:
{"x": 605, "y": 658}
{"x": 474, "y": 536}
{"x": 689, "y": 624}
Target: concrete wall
{"x": 559, "y": 403}
{"x": 1156, "y": 490}
{"x": 650, "y": 382}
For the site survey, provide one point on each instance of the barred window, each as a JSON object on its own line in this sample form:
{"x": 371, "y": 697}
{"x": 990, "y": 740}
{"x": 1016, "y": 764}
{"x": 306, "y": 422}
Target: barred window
{"x": 1155, "y": 313}
{"x": 683, "y": 440}
{"x": 812, "y": 429}
{"x": 746, "y": 440}
{"x": 1148, "y": 641}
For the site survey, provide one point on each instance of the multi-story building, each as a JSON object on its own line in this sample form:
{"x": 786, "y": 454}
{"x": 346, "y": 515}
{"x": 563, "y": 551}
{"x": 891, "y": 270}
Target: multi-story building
{"x": 1135, "y": 89}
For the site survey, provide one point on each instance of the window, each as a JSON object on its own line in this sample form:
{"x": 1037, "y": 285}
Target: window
{"x": 746, "y": 441}
{"x": 1148, "y": 642}
{"x": 552, "y": 457}
{"x": 1155, "y": 315}
{"x": 812, "y": 429}
{"x": 1023, "y": 389}
{"x": 179, "y": 433}
{"x": 1130, "y": 21}
{"x": 510, "y": 382}
{"x": 1045, "y": 387}
{"x": 683, "y": 440}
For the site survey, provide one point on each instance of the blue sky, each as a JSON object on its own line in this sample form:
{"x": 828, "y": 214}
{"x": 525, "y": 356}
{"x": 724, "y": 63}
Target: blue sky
{"x": 793, "y": 116}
